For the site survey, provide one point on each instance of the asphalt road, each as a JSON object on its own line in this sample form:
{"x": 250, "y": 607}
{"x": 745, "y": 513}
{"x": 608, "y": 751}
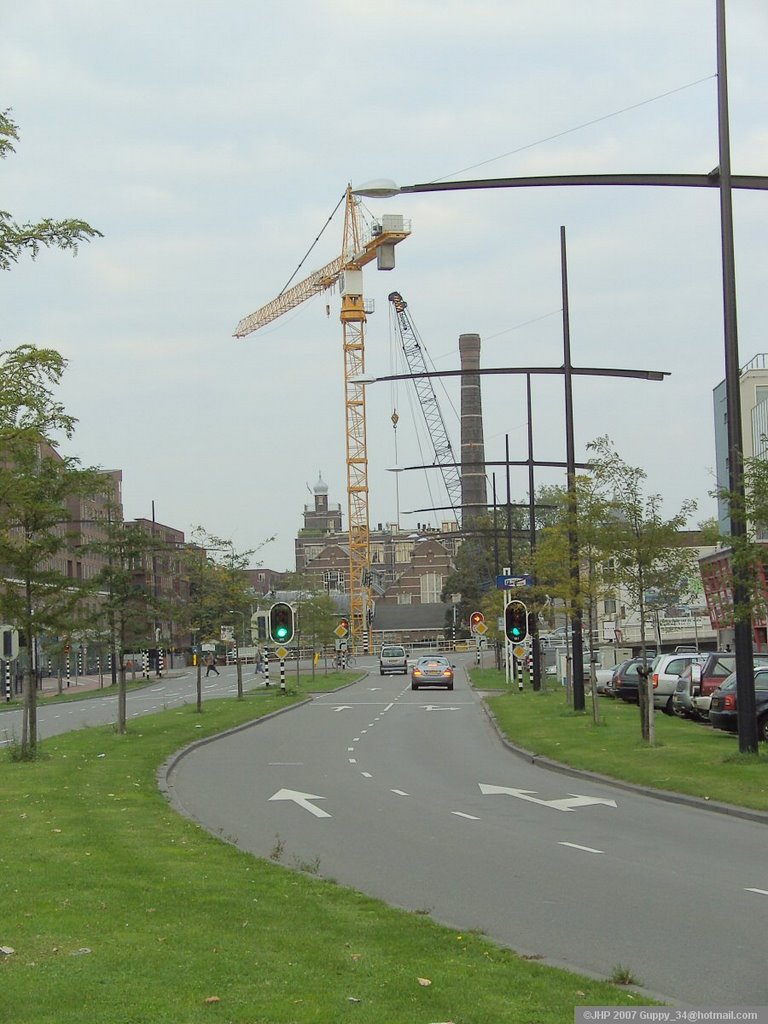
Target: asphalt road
{"x": 412, "y": 798}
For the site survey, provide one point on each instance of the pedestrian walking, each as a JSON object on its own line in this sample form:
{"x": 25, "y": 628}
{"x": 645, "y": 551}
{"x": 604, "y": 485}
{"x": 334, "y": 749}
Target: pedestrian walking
{"x": 210, "y": 665}
{"x": 259, "y": 661}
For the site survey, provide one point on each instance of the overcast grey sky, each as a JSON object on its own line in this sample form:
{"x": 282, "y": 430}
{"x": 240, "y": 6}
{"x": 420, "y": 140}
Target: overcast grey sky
{"x": 210, "y": 141}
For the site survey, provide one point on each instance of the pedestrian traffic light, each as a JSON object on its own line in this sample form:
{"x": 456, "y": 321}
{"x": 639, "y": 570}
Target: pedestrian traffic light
{"x": 475, "y": 619}
{"x": 516, "y": 621}
{"x": 281, "y": 623}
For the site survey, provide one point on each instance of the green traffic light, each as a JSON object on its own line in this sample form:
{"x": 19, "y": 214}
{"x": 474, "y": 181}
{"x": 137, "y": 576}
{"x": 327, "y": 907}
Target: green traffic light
{"x": 281, "y": 633}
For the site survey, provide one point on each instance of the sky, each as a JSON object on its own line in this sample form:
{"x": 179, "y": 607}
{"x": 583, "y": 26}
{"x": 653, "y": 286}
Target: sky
{"x": 210, "y": 142}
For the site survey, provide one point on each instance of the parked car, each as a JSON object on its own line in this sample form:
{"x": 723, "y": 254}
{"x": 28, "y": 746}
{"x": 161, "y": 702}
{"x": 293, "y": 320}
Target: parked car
{"x": 665, "y": 672}
{"x": 434, "y": 670}
{"x": 682, "y": 698}
{"x": 393, "y": 659}
{"x": 687, "y": 700}
{"x": 722, "y": 710}
{"x": 626, "y": 679}
{"x": 604, "y": 680}
{"x": 714, "y": 672}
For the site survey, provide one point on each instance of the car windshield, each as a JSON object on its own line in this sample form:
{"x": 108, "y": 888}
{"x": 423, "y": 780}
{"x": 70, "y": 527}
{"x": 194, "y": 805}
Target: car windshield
{"x": 436, "y": 661}
{"x": 392, "y": 652}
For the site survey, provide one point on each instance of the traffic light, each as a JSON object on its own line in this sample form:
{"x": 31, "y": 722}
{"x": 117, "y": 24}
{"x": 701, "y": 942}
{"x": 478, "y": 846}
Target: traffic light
{"x": 475, "y": 619}
{"x": 516, "y": 621}
{"x": 281, "y": 623}
{"x": 342, "y": 629}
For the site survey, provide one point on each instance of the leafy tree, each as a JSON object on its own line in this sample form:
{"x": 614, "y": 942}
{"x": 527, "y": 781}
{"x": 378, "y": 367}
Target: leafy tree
{"x": 126, "y": 601}
{"x": 642, "y": 547}
{"x": 217, "y": 584}
{"x": 552, "y": 558}
{"x": 35, "y": 486}
{"x": 17, "y": 239}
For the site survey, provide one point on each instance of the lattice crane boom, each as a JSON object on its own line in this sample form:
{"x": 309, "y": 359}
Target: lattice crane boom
{"x": 346, "y": 271}
{"x": 445, "y": 457}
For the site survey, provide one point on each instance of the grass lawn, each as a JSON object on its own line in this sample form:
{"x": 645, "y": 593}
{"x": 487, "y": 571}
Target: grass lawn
{"x": 119, "y": 911}
{"x": 689, "y": 757}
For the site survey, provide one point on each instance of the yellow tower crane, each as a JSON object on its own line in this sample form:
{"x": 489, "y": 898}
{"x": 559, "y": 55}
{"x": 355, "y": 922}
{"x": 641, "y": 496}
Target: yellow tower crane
{"x": 358, "y": 249}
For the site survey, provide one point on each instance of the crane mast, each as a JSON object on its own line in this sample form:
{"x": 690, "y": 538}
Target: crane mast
{"x": 414, "y": 355}
{"x": 346, "y": 271}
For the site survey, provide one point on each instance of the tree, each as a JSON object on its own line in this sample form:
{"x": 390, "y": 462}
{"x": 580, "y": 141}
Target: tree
{"x": 641, "y": 547}
{"x": 35, "y": 485}
{"x": 126, "y": 602}
{"x": 217, "y": 584}
{"x": 552, "y": 561}
{"x": 17, "y": 239}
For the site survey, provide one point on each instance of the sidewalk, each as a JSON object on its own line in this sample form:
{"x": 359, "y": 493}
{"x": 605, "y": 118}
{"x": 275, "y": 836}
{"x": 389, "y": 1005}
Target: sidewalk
{"x": 81, "y": 684}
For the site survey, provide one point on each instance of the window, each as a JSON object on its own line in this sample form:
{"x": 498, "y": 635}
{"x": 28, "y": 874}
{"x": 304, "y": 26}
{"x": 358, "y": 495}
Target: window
{"x": 431, "y": 585}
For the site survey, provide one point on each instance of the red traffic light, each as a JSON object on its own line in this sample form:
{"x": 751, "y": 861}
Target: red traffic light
{"x": 475, "y": 619}
{"x": 343, "y": 628}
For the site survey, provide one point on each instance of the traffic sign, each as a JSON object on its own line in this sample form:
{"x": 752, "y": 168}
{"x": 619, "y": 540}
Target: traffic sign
{"x": 480, "y": 628}
{"x": 282, "y": 653}
{"x": 519, "y": 651}
{"x": 510, "y": 582}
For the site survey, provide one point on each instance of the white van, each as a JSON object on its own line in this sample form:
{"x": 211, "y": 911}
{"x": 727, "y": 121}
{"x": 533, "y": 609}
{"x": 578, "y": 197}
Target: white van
{"x": 393, "y": 659}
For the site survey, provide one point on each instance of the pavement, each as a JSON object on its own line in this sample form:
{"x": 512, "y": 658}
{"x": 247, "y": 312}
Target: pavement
{"x": 82, "y": 684}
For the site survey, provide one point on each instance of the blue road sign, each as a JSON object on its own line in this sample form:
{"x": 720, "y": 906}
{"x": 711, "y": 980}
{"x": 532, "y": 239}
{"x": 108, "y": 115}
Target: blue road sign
{"x": 510, "y": 582}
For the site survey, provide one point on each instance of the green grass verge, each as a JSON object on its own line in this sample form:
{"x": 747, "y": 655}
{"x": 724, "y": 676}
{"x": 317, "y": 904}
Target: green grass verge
{"x": 119, "y": 911}
{"x": 688, "y": 757}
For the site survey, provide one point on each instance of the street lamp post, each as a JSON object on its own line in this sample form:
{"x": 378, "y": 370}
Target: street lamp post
{"x": 723, "y": 180}
{"x": 239, "y": 667}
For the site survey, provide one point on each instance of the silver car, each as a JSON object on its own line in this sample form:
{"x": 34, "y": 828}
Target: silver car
{"x": 434, "y": 670}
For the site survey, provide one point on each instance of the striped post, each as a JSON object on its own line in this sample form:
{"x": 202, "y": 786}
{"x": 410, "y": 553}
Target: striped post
{"x": 266, "y": 669}
{"x": 69, "y": 672}
{"x": 282, "y": 675}
{"x": 7, "y": 680}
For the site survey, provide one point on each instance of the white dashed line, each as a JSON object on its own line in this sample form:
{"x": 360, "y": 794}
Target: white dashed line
{"x": 461, "y": 814}
{"x": 586, "y": 849}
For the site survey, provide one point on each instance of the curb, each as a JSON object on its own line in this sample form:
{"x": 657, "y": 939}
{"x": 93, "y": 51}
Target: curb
{"x": 669, "y": 796}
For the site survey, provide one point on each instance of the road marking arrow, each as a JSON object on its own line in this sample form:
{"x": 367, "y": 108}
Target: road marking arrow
{"x": 343, "y": 707}
{"x": 302, "y": 799}
{"x": 438, "y": 707}
{"x": 568, "y": 803}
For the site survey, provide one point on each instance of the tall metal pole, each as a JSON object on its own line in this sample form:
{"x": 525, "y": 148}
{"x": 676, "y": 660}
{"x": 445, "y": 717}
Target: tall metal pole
{"x": 577, "y": 647}
{"x": 509, "y": 505}
{"x": 536, "y": 644}
{"x": 745, "y": 684}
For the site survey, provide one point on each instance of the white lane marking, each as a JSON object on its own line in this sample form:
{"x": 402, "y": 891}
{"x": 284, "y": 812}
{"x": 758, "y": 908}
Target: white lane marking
{"x": 366, "y": 775}
{"x": 586, "y": 849}
{"x": 285, "y": 764}
{"x": 302, "y": 799}
{"x": 350, "y": 749}
{"x": 566, "y": 804}
{"x": 352, "y": 760}
{"x": 398, "y": 792}
{"x": 461, "y": 814}
{"x": 760, "y": 892}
